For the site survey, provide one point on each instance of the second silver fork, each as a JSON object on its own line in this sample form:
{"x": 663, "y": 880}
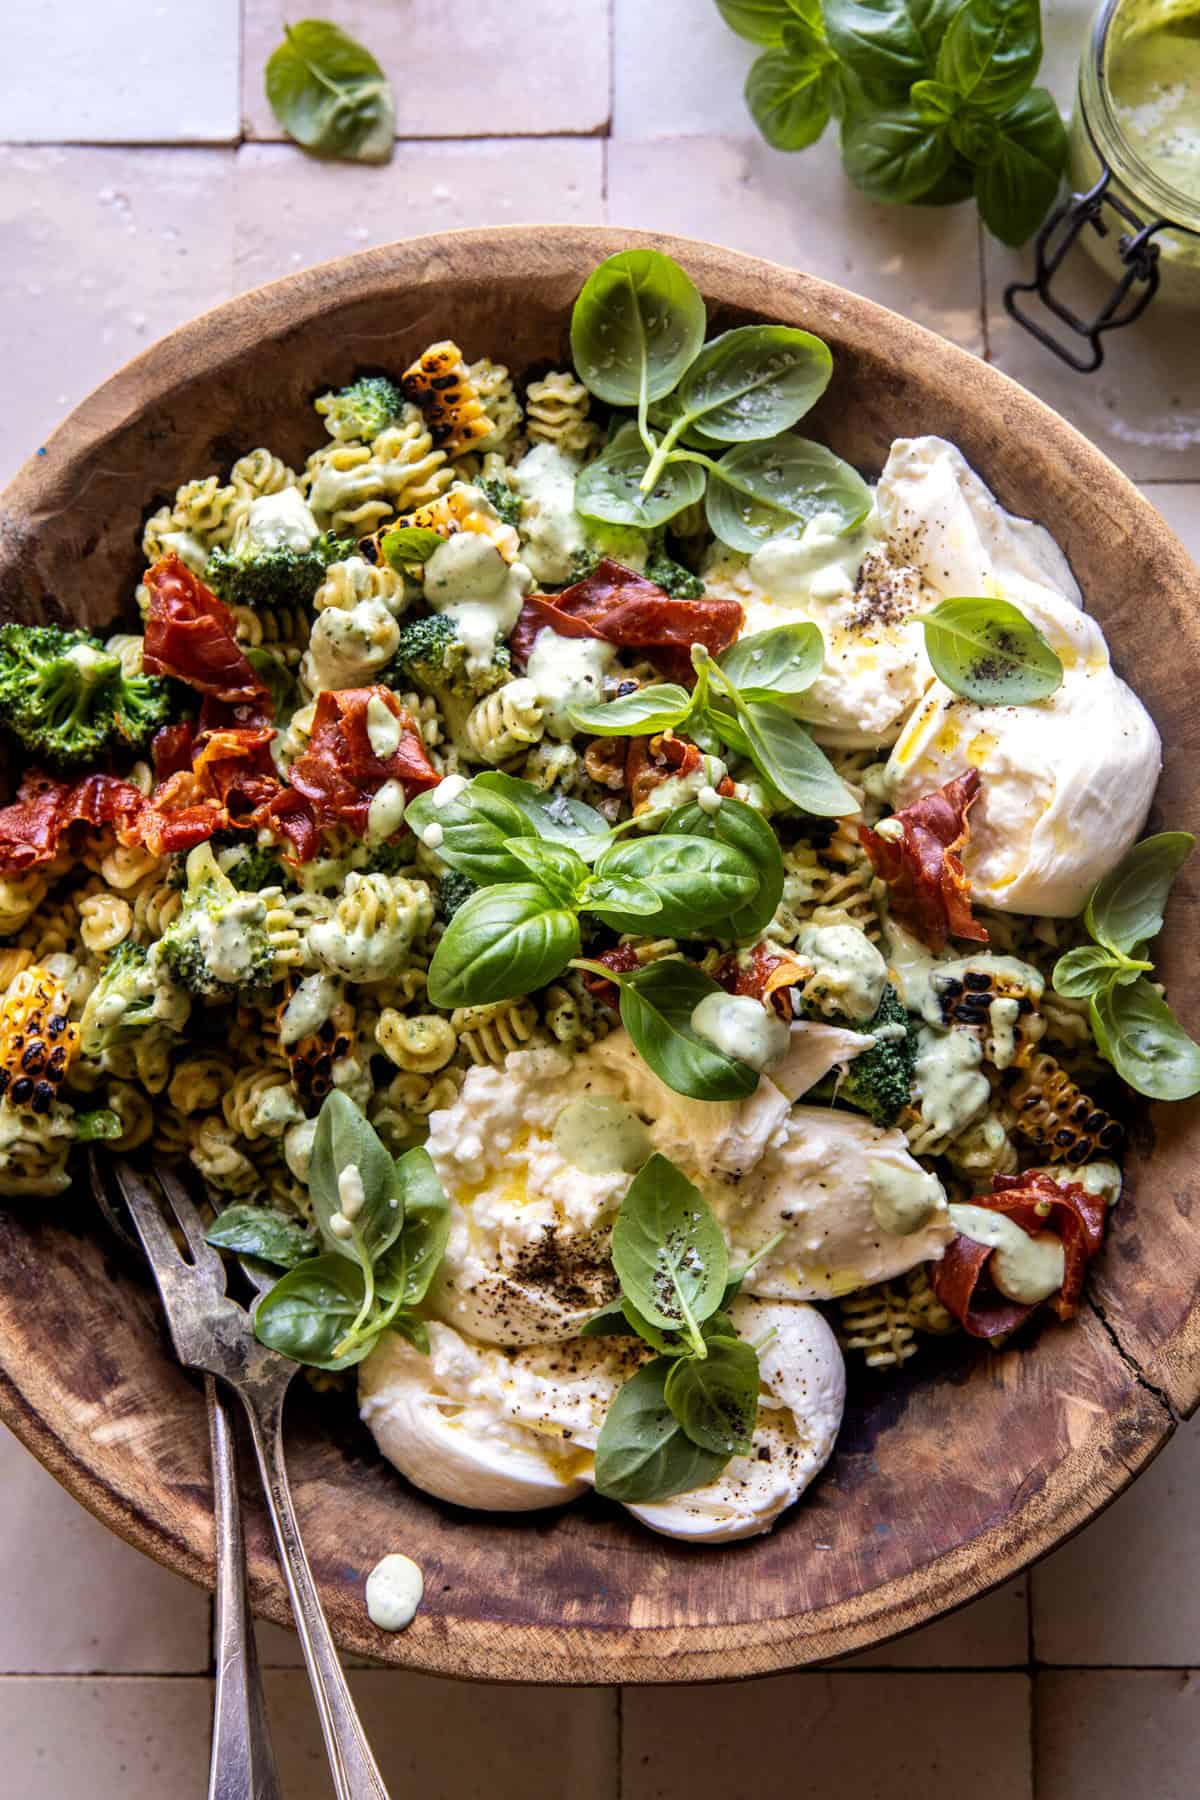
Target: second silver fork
{"x": 211, "y": 1332}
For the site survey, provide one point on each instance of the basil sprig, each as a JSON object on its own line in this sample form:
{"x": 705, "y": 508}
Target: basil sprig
{"x": 1134, "y": 1028}
{"x": 330, "y": 95}
{"x": 986, "y": 650}
{"x": 736, "y": 700}
{"x": 657, "y": 1003}
{"x": 330, "y": 1310}
{"x": 936, "y": 101}
{"x": 677, "y": 1422}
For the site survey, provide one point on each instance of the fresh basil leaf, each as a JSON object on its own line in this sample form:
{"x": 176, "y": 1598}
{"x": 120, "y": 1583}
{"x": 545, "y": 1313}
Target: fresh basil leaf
{"x": 1127, "y": 906}
{"x": 1140, "y": 1036}
{"x": 667, "y": 1343}
{"x": 700, "y": 883}
{"x": 936, "y": 103}
{"x": 638, "y": 323}
{"x": 991, "y": 50}
{"x": 477, "y": 826}
{"x": 894, "y": 155}
{"x": 309, "y": 1311}
{"x": 409, "y": 544}
{"x": 261, "y": 1232}
{"x": 715, "y": 1398}
{"x": 609, "y": 489}
{"x": 403, "y": 1275}
{"x": 754, "y": 382}
{"x": 1018, "y": 187}
{"x": 759, "y": 21}
{"x": 777, "y": 487}
{"x": 1083, "y": 972}
{"x": 740, "y": 826}
{"x": 654, "y": 708}
{"x": 620, "y": 895}
{"x": 878, "y": 40}
{"x": 555, "y": 816}
{"x": 721, "y": 719}
{"x": 610, "y": 1321}
{"x": 668, "y": 1249}
{"x": 783, "y": 751}
{"x": 330, "y": 95}
{"x": 986, "y": 650}
{"x": 791, "y": 99}
{"x": 502, "y": 942}
{"x": 975, "y": 137}
{"x": 642, "y": 1454}
{"x": 657, "y": 1003}
{"x": 414, "y": 1329}
{"x": 346, "y": 1139}
{"x": 556, "y": 866}
{"x": 784, "y": 660}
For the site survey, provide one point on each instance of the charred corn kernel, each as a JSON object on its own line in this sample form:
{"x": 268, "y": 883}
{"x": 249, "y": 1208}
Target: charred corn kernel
{"x": 456, "y": 511}
{"x": 1059, "y": 1117}
{"x": 998, "y": 1010}
{"x": 37, "y": 1040}
{"x": 440, "y": 384}
{"x": 311, "y": 1059}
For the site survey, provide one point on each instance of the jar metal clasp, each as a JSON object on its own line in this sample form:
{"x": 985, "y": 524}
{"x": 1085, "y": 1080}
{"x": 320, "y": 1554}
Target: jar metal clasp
{"x": 1129, "y": 298}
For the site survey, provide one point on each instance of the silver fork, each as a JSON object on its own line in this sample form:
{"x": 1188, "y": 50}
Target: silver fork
{"x": 211, "y": 1332}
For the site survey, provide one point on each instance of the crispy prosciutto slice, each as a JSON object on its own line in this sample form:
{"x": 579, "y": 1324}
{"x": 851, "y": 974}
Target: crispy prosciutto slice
{"x": 623, "y": 608}
{"x": 340, "y": 773}
{"x": 191, "y": 635}
{"x": 922, "y": 866}
{"x": 1036, "y": 1203}
{"x": 764, "y": 973}
{"x": 32, "y": 828}
{"x": 622, "y": 959}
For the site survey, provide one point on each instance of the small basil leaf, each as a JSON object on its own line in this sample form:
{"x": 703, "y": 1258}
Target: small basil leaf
{"x": 609, "y": 489}
{"x": 936, "y": 103}
{"x": 783, "y": 751}
{"x": 620, "y": 895}
{"x": 743, "y": 828}
{"x": 667, "y": 1343}
{"x": 346, "y": 1139}
{"x": 261, "y": 1232}
{"x": 699, "y": 883}
{"x": 410, "y": 544}
{"x": 642, "y": 1454}
{"x": 610, "y": 1321}
{"x": 638, "y": 323}
{"x": 309, "y": 1311}
{"x": 760, "y": 21}
{"x": 719, "y": 1324}
{"x": 878, "y": 40}
{"x": 755, "y": 381}
{"x": 477, "y": 826}
{"x": 504, "y": 941}
{"x": 403, "y": 1275}
{"x": 330, "y": 95}
{"x": 775, "y": 488}
{"x": 986, "y": 650}
{"x": 715, "y": 1399}
{"x": 1127, "y": 906}
{"x": 554, "y": 816}
{"x": 784, "y": 660}
{"x": 415, "y": 1330}
{"x": 1083, "y": 972}
{"x": 657, "y": 1003}
{"x": 791, "y": 98}
{"x": 556, "y": 866}
{"x": 991, "y": 50}
{"x": 893, "y": 155}
{"x": 1144, "y": 1041}
{"x": 1018, "y": 186}
{"x": 640, "y": 714}
{"x": 723, "y": 721}
{"x": 668, "y": 1249}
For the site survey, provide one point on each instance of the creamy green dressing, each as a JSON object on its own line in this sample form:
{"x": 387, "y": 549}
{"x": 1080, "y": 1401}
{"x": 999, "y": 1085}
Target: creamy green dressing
{"x": 602, "y": 1136}
{"x": 1025, "y": 1269}
{"x": 553, "y": 536}
{"x": 903, "y": 1200}
{"x": 678, "y": 790}
{"x": 1102, "y": 1178}
{"x": 308, "y": 1008}
{"x": 395, "y": 1588}
{"x": 567, "y": 672}
{"x": 850, "y": 972}
{"x": 819, "y": 564}
{"x": 1153, "y": 73}
{"x": 947, "y": 1079}
{"x": 281, "y": 522}
{"x": 468, "y": 579}
{"x": 228, "y": 941}
{"x": 743, "y": 1028}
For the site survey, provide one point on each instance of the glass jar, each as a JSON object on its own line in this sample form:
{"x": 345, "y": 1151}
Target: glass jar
{"x": 1138, "y": 219}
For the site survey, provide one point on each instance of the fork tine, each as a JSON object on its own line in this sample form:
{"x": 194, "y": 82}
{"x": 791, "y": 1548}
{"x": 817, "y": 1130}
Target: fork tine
{"x": 190, "y": 1222}
{"x": 147, "y": 1215}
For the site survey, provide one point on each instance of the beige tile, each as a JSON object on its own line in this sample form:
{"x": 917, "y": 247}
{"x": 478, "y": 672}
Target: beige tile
{"x": 76, "y": 1598}
{"x": 457, "y": 1741}
{"x": 1120, "y": 1592}
{"x": 1128, "y": 1736}
{"x": 707, "y": 64}
{"x": 845, "y": 1737}
{"x": 121, "y": 1739}
{"x": 104, "y": 250}
{"x": 291, "y": 212}
{"x": 992, "y": 1633}
{"x": 279, "y": 1648}
{"x": 462, "y": 68}
{"x": 1179, "y": 504}
{"x": 804, "y": 212}
{"x": 126, "y": 71}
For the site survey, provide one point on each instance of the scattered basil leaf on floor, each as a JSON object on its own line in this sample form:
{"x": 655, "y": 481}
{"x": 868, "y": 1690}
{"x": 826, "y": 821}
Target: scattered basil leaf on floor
{"x": 330, "y": 95}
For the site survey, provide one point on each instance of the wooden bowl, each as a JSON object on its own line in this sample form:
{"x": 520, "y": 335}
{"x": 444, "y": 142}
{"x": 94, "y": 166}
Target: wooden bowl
{"x": 948, "y": 1478}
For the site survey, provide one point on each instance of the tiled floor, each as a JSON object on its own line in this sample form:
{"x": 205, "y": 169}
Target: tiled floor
{"x": 144, "y": 181}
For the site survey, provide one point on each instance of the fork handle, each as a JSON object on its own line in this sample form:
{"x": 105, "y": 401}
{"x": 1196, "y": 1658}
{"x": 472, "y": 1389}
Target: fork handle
{"x": 355, "y": 1774}
{"x": 243, "y": 1763}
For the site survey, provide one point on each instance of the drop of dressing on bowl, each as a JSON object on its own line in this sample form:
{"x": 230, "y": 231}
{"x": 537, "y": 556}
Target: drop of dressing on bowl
{"x": 395, "y": 1588}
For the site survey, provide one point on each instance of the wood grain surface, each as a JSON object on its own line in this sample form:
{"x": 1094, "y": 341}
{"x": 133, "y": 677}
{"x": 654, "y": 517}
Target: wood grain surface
{"x": 949, "y": 1477}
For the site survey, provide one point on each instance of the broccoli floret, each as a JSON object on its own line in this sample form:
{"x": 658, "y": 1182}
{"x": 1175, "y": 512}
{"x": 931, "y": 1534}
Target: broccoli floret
{"x": 134, "y": 993}
{"x": 388, "y": 858}
{"x": 582, "y": 563}
{"x": 252, "y": 574}
{"x": 454, "y": 890}
{"x": 502, "y": 499}
{"x": 879, "y": 1081}
{"x": 432, "y": 656}
{"x": 251, "y": 868}
{"x": 673, "y": 578}
{"x": 219, "y": 942}
{"x": 66, "y": 699}
{"x": 362, "y": 410}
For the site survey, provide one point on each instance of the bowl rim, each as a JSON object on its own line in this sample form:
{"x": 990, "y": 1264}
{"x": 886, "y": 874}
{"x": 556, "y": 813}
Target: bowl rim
{"x": 1087, "y": 1479}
